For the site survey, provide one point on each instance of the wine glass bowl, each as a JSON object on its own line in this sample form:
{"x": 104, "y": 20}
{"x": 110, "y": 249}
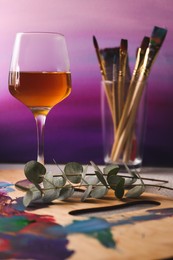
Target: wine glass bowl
{"x": 40, "y": 76}
{"x": 38, "y": 90}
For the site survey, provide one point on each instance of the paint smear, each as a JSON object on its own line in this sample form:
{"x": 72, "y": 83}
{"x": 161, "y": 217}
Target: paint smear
{"x": 154, "y": 214}
{"x": 22, "y": 234}
{"x": 101, "y": 229}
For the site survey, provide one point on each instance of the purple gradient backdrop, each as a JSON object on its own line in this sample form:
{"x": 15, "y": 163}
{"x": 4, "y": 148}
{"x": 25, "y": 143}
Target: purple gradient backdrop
{"x": 73, "y": 129}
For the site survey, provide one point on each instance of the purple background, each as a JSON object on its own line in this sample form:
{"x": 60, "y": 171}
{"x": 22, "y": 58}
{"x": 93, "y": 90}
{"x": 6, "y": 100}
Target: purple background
{"x": 73, "y": 129}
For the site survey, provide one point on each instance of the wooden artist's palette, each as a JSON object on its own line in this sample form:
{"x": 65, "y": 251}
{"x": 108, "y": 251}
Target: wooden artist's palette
{"x": 108, "y": 228}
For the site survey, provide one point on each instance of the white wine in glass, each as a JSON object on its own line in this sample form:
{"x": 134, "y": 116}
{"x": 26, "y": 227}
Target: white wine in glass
{"x": 40, "y": 76}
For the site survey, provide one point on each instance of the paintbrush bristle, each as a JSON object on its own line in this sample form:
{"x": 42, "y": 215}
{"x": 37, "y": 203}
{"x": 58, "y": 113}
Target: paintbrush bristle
{"x": 157, "y": 37}
{"x": 95, "y": 42}
{"x": 145, "y": 43}
{"x": 124, "y": 45}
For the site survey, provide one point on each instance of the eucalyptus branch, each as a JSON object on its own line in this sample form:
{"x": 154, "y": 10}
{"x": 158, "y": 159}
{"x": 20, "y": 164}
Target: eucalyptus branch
{"x": 155, "y": 186}
{"x": 74, "y": 177}
{"x": 124, "y": 176}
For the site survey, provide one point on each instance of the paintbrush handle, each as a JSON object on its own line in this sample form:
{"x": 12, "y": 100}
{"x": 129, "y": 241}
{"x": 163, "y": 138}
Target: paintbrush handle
{"x": 131, "y": 118}
{"x": 128, "y": 146}
{"x": 125, "y": 114}
{"x": 115, "y": 104}
{"x": 120, "y": 94}
{"x": 121, "y": 84}
{"x": 108, "y": 93}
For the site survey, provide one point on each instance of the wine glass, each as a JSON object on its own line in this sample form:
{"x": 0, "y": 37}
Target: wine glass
{"x": 40, "y": 76}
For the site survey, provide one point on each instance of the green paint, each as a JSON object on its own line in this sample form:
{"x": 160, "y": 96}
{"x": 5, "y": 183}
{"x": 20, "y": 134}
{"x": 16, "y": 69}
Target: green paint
{"x": 14, "y": 223}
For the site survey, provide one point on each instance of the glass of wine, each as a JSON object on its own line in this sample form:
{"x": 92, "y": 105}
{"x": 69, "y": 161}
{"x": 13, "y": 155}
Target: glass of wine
{"x": 40, "y": 76}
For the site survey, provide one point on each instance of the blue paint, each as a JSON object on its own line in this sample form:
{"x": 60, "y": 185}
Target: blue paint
{"x": 97, "y": 228}
{"x": 29, "y": 246}
{"x": 18, "y": 204}
{"x": 154, "y": 214}
{"x": 6, "y": 187}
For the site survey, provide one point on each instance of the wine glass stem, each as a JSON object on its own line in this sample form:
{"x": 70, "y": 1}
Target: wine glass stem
{"x": 40, "y": 123}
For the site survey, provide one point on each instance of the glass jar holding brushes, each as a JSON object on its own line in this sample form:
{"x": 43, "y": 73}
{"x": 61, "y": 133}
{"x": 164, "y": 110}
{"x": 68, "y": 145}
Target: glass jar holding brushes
{"x": 124, "y": 98}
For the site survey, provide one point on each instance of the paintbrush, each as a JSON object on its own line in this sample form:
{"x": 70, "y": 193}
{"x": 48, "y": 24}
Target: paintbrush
{"x": 156, "y": 41}
{"x": 107, "y": 88}
{"x": 121, "y": 75}
{"x": 139, "y": 60}
{"x": 114, "y": 92}
{"x": 107, "y": 57}
{"x": 102, "y": 69}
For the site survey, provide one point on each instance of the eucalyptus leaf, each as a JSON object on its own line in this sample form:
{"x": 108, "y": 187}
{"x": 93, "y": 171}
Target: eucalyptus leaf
{"x": 84, "y": 171}
{"x": 133, "y": 179}
{"x": 111, "y": 168}
{"x": 34, "y": 172}
{"x": 99, "y": 174}
{"x": 27, "y": 198}
{"x": 101, "y": 178}
{"x": 86, "y": 193}
{"x": 138, "y": 175}
{"x": 59, "y": 181}
{"x": 96, "y": 167}
{"x": 98, "y": 192}
{"x": 50, "y": 182}
{"x": 66, "y": 192}
{"x": 90, "y": 179}
{"x": 51, "y": 194}
{"x": 117, "y": 184}
{"x": 31, "y": 195}
{"x": 130, "y": 181}
{"x": 73, "y": 172}
{"x": 113, "y": 180}
{"x": 135, "y": 192}
{"x": 119, "y": 192}
{"x": 135, "y": 174}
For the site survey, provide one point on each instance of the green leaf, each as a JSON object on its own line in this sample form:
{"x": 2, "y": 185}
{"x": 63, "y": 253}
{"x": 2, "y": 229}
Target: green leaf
{"x": 101, "y": 178}
{"x": 116, "y": 183}
{"x": 90, "y": 179}
{"x": 99, "y": 174}
{"x": 34, "y": 171}
{"x": 84, "y": 171}
{"x": 113, "y": 180}
{"x": 130, "y": 181}
{"x": 111, "y": 168}
{"x": 50, "y": 182}
{"x": 98, "y": 192}
{"x": 119, "y": 192}
{"x": 135, "y": 192}
{"x": 59, "y": 181}
{"x": 86, "y": 193}
{"x": 66, "y": 192}
{"x": 31, "y": 195}
{"x": 96, "y": 167}
{"x": 73, "y": 172}
{"x": 52, "y": 187}
{"x": 50, "y": 195}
